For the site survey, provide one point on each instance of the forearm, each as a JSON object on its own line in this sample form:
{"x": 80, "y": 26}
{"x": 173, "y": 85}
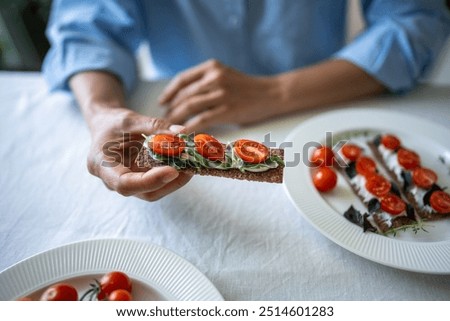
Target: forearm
{"x": 327, "y": 83}
{"x": 97, "y": 92}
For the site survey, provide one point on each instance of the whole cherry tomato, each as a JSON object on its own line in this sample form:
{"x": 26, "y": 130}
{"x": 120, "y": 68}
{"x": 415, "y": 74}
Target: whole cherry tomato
{"x": 324, "y": 179}
{"x": 115, "y": 280}
{"x": 323, "y": 156}
{"x": 120, "y": 295}
{"x": 60, "y": 292}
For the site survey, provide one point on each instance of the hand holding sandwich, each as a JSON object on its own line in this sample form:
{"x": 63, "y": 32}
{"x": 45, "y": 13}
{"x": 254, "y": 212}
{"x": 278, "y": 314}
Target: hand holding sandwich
{"x": 116, "y": 135}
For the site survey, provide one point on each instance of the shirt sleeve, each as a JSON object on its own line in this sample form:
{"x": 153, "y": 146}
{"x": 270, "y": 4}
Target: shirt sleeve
{"x": 92, "y": 35}
{"x": 401, "y": 42}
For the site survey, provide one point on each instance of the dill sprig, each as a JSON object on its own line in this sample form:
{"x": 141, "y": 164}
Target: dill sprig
{"x": 415, "y": 227}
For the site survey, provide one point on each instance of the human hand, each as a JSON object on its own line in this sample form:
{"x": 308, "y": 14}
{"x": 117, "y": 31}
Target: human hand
{"x": 116, "y": 141}
{"x": 212, "y": 93}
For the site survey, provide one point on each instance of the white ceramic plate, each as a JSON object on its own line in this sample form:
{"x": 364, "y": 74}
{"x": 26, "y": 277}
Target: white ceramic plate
{"x": 427, "y": 252}
{"x": 157, "y": 273}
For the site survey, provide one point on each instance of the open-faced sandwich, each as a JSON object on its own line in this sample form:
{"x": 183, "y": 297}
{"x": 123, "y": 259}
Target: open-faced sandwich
{"x": 386, "y": 208}
{"x": 396, "y": 191}
{"x": 419, "y": 183}
{"x": 203, "y": 154}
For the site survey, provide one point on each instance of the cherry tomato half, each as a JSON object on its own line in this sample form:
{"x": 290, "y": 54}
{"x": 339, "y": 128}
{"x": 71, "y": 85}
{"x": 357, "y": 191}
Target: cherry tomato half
{"x": 112, "y": 281}
{"x": 378, "y": 185}
{"x": 351, "y": 151}
{"x": 60, "y": 292}
{"x": 250, "y": 151}
{"x": 365, "y": 166}
{"x": 440, "y": 202}
{"x": 120, "y": 295}
{"x": 392, "y": 204}
{"x": 390, "y": 142}
{"x": 209, "y": 147}
{"x": 323, "y": 156}
{"x": 167, "y": 145}
{"x": 324, "y": 179}
{"x": 408, "y": 159}
{"x": 424, "y": 177}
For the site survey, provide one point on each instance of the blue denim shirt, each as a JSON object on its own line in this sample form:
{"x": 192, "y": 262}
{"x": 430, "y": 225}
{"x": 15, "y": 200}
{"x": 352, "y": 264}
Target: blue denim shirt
{"x": 259, "y": 37}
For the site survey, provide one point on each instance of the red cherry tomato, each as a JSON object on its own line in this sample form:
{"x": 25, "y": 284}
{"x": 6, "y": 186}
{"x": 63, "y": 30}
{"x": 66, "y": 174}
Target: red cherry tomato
{"x": 440, "y": 202}
{"x": 167, "y": 145}
{"x": 378, "y": 185}
{"x": 408, "y": 159}
{"x": 351, "y": 151}
{"x": 323, "y": 156}
{"x": 120, "y": 295}
{"x": 424, "y": 177}
{"x": 365, "y": 166}
{"x": 250, "y": 151}
{"x": 209, "y": 147}
{"x": 390, "y": 142}
{"x": 324, "y": 179}
{"x": 392, "y": 204}
{"x": 112, "y": 281}
{"x": 60, "y": 292}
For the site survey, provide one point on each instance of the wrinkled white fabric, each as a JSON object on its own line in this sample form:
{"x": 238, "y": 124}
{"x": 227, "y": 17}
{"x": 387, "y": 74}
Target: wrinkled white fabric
{"x": 246, "y": 237}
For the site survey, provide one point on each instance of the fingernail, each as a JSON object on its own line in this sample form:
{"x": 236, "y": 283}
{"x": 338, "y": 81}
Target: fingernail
{"x": 176, "y": 128}
{"x": 170, "y": 177}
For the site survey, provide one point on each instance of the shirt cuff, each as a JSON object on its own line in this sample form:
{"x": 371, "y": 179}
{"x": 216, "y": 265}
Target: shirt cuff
{"x": 385, "y": 53}
{"x": 71, "y": 57}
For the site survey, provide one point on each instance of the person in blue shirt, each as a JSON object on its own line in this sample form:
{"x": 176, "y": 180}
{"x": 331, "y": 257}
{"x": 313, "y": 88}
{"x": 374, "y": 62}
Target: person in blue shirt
{"x": 239, "y": 61}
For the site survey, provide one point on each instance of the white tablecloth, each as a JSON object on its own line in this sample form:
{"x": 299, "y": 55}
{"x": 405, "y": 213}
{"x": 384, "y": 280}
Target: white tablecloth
{"x": 246, "y": 237}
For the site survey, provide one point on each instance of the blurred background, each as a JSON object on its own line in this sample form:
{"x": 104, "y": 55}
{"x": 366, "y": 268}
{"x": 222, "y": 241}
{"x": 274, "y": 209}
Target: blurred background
{"x": 23, "y": 43}
{"x": 22, "y": 39}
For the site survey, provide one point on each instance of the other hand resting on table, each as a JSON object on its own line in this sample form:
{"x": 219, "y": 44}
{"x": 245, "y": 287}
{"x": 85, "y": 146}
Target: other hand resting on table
{"x": 212, "y": 93}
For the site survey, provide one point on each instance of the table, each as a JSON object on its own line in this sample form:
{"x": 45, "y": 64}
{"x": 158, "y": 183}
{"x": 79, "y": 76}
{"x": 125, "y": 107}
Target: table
{"x": 246, "y": 237}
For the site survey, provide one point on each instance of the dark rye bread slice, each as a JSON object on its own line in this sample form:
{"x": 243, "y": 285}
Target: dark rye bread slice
{"x": 406, "y": 190}
{"x": 397, "y": 223}
{"x": 275, "y": 175}
{"x": 373, "y": 209}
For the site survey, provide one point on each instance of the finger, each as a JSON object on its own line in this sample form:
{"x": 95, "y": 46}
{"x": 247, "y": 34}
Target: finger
{"x": 183, "y": 79}
{"x": 207, "y": 119}
{"x": 146, "y": 125}
{"x": 179, "y": 182}
{"x": 194, "y": 105}
{"x": 126, "y": 182}
{"x": 179, "y": 82}
{"x": 198, "y": 87}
